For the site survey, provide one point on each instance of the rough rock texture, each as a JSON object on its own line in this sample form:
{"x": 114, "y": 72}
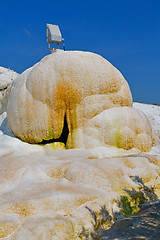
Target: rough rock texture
{"x": 122, "y": 127}
{"x": 153, "y": 114}
{"x": 6, "y": 78}
{"x": 72, "y": 85}
{"x": 43, "y": 195}
{"x": 144, "y": 225}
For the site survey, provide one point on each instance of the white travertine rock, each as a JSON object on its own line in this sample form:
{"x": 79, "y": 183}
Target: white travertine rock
{"x": 6, "y": 78}
{"x": 43, "y": 195}
{"x": 4, "y": 96}
{"x": 153, "y": 114}
{"x": 78, "y": 85}
{"x": 122, "y": 127}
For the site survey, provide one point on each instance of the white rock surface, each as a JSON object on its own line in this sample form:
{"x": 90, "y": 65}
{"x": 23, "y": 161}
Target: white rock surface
{"x": 153, "y": 114}
{"x": 6, "y": 78}
{"x": 43, "y": 194}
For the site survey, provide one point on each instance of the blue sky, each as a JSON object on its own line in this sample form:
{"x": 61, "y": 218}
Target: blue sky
{"x": 125, "y": 32}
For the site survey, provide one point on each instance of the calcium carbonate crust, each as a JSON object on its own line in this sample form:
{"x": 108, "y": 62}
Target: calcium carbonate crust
{"x": 79, "y": 87}
{"x": 122, "y": 127}
{"x": 76, "y": 84}
{"x": 6, "y": 78}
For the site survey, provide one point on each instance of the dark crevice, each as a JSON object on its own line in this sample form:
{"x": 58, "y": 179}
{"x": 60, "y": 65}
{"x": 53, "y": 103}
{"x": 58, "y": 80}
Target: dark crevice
{"x": 63, "y": 137}
{"x": 2, "y": 89}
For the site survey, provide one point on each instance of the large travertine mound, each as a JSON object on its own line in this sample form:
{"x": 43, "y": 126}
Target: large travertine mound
{"x": 122, "y": 127}
{"x": 73, "y": 85}
{"x": 6, "y": 78}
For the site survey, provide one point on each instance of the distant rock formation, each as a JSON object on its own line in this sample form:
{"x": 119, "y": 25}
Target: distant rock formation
{"x": 76, "y": 87}
{"x": 153, "y": 113}
{"x": 6, "y": 78}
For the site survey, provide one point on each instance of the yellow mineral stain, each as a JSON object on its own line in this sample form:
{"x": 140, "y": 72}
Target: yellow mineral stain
{"x": 54, "y": 146}
{"x": 23, "y": 209}
{"x": 6, "y": 228}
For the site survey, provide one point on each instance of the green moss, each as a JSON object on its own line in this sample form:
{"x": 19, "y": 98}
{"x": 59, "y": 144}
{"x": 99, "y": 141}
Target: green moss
{"x": 128, "y": 204}
{"x": 126, "y": 207}
{"x": 50, "y": 134}
{"x": 131, "y": 203}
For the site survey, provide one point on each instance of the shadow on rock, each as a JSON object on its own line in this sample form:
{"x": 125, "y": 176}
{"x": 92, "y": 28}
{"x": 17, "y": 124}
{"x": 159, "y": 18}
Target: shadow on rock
{"x": 143, "y": 225}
